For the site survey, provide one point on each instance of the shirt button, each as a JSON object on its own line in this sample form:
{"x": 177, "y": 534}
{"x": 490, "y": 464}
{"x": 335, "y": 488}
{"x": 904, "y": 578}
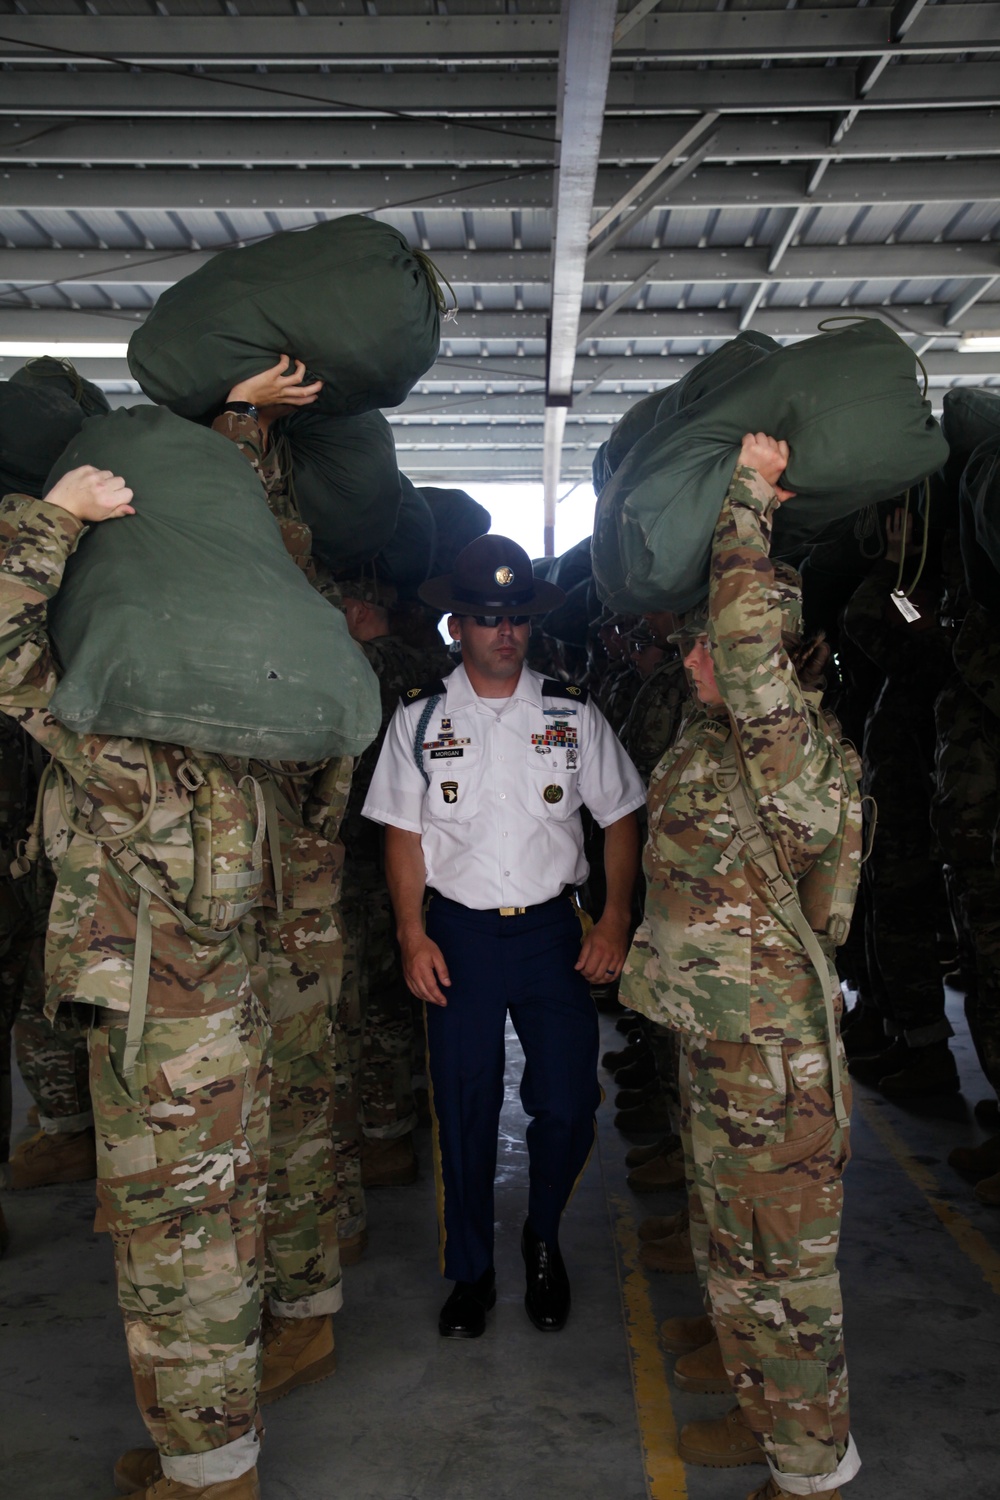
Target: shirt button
{"x": 505, "y": 835}
{"x": 503, "y": 796}
{"x": 506, "y": 872}
{"x": 499, "y": 757}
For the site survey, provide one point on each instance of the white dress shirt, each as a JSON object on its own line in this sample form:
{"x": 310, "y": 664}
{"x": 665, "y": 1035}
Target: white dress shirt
{"x": 499, "y": 816}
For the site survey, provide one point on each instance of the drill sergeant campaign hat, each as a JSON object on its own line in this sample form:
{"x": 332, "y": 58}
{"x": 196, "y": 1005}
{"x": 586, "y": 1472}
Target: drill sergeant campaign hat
{"x": 491, "y": 576}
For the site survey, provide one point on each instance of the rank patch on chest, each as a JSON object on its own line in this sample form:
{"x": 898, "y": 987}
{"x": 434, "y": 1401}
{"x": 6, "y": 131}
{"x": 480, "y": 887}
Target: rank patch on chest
{"x": 553, "y": 794}
{"x": 560, "y": 735}
{"x": 449, "y": 791}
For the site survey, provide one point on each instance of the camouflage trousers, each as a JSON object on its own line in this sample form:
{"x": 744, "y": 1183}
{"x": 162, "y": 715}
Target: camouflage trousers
{"x": 387, "y": 1040}
{"x": 300, "y": 989}
{"x": 974, "y": 893}
{"x": 764, "y": 1159}
{"x": 52, "y": 1055}
{"x": 346, "y": 1045}
{"x": 182, "y": 1145}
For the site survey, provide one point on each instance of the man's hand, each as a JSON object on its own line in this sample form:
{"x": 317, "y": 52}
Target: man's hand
{"x": 603, "y": 950}
{"x": 277, "y": 390}
{"x": 769, "y": 456}
{"x": 424, "y": 968}
{"x": 92, "y": 494}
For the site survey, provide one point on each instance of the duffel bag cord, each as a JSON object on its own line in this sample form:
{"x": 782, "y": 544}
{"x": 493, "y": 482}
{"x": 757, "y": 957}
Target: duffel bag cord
{"x": 435, "y": 277}
{"x": 849, "y": 320}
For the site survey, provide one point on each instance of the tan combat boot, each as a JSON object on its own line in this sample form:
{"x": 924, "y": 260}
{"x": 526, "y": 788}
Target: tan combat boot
{"x": 772, "y": 1491}
{"x": 661, "y": 1226}
{"x": 297, "y": 1351}
{"x": 671, "y": 1255}
{"x": 976, "y": 1162}
{"x": 243, "y": 1487}
{"x": 988, "y": 1190}
{"x": 702, "y": 1373}
{"x": 140, "y": 1468}
{"x": 724, "y": 1443}
{"x": 48, "y": 1160}
{"x": 388, "y": 1163}
{"x": 656, "y": 1176}
{"x": 638, "y": 1156}
{"x": 353, "y": 1247}
{"x": 681, "y": 1335}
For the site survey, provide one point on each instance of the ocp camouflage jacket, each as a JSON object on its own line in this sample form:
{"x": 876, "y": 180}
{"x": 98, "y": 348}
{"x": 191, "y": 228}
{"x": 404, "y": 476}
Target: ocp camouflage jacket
{"x": 715, "y": 956}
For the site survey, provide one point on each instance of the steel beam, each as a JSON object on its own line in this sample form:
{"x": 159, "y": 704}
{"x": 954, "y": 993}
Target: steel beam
{"x": 390, "y": 143}
{"x": 810, "y": 90}
{"x": 704, "y": 36}
{"x": 845, "y": 184}
{"x": 506, "y": 268}
{"x": 584, "y": 66}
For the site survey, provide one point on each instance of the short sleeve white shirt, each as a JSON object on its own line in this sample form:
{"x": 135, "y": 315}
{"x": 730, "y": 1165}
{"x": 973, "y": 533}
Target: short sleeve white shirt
{"x": 499, "y": 812}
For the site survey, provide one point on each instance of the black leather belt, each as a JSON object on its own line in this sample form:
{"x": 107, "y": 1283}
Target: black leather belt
{"x": 511, "y": 911}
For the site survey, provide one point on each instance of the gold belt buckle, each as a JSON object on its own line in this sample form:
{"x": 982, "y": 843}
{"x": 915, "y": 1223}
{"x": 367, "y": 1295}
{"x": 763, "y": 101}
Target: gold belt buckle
{"x": 512, "y": 911}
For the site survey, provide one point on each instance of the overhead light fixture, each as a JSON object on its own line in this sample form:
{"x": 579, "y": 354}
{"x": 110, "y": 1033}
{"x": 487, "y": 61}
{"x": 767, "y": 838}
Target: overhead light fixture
{"x": 979, "y": 343}
{"x": 57, "y": 349}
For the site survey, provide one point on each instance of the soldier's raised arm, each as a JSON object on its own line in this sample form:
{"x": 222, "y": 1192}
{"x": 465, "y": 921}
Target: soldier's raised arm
{"x": 749, "y": 620}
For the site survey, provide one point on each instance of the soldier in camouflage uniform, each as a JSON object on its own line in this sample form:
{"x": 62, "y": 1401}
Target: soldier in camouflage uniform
{"x": 721, "y": 957}
{"x": 388, "y": 1112}
{"x": 178, "y": 1060}
{"x": 966, "y": 817}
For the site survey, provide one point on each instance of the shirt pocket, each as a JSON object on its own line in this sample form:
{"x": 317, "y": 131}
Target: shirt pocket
{"x": 454, "y": 788}
{"x": 552, "y": 787}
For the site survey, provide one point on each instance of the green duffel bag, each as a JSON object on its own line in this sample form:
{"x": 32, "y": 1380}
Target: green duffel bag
{"x": 189, "y": 622}
{"x": 61, "y": 375}
{"x": 36, "y": 423}
{"x": 344, "y": 481}
{"x": 970, "y": 417}
{"x": 406, "y": 559}
{"x": 980, "y": 498}
{"x": 859, "y": 431}
{"x": 458, "y": 520}
{"x": 714, "y": 370}
{"x": 349, "y": 298}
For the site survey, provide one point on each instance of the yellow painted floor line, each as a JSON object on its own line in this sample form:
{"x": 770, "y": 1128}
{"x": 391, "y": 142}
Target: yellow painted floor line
{"x": 665, "y": 1477}
{"x": 973, "y": 1244}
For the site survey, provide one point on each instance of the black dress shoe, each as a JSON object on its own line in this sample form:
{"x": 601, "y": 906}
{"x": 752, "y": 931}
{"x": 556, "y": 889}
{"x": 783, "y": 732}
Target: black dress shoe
{"x": 547, "y": 1297}
{"x": 464, "y": 1314}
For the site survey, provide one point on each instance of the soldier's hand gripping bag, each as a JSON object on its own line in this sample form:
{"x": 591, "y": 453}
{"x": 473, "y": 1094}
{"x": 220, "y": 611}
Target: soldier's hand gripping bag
{"x": 344, "y": 480}
{"x": 348, "y": 297}
{"x": 847, "y": 403}
{"x": 189, "y": 622}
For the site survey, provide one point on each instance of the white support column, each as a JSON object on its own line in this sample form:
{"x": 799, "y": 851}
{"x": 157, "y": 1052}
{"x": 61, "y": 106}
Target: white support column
{"x": 584, "y": 66}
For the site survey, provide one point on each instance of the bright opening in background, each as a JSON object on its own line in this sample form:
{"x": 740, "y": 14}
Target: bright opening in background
{"x": 517, "y": 512}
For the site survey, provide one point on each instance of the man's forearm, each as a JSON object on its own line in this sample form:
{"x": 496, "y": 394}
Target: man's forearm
{"x": 621, "y": 865}
{"x": 406, "y": 878}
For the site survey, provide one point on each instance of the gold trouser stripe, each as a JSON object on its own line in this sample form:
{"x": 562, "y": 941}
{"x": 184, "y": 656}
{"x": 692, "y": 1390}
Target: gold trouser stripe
{"x": 436, "y": 1150}
{"x": 973, "y": 1245}
{"x": 665, "y": 1474}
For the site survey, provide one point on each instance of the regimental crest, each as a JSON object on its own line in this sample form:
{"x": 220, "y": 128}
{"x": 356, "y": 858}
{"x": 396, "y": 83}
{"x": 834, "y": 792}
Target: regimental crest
{"x": 553, "y": 793}
{"x": 504, "y": 576}
{"x": 449, "y": 791}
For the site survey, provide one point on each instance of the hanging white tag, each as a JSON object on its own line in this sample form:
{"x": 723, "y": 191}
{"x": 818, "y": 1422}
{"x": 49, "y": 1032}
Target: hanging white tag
{"x": 909, "y": 611}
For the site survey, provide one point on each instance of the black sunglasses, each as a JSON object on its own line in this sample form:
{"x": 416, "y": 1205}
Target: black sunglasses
{"x": 490, "y": 622}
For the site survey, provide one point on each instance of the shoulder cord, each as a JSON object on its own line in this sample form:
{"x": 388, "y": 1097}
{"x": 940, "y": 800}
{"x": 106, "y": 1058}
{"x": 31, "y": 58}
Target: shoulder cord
{"x": 418, "y": 739}
{"x": 760, "y": 849}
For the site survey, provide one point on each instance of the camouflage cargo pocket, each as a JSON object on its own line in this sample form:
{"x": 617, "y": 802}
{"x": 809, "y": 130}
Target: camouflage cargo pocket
{"x": 174, "y": 1265}
{"x": 797, "y": 1393}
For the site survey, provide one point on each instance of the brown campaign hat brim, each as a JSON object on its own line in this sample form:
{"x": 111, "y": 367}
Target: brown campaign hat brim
{"x": 440, "y": 594}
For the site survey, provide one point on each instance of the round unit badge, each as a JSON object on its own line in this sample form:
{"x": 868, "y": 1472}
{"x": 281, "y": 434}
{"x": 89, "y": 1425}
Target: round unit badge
{"x": 504, "y": 576}
{"x": 553, "y": 794}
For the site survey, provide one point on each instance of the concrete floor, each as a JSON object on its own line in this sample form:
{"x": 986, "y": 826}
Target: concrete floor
{"x": 585, "y": 1415}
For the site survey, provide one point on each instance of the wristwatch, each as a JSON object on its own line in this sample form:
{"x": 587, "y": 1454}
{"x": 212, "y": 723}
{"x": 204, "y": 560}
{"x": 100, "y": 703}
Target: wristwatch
{"x": 242, "y": 408}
